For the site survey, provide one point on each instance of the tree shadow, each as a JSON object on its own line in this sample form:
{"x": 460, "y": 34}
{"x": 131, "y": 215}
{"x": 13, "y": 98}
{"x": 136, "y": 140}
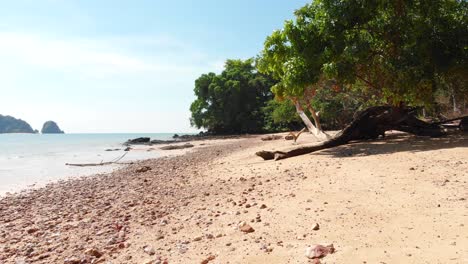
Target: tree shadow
{"x": 397, "y": 142}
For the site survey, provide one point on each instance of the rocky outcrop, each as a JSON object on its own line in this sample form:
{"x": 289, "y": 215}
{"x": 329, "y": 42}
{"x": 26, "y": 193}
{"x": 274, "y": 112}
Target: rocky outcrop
{"x": 50, "y": 127}
{"x": 9, "y": 124}
{"x": 138, "y": 141}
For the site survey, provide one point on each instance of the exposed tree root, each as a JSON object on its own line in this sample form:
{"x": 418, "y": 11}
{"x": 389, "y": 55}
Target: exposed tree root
{"x": 369, "y": 124}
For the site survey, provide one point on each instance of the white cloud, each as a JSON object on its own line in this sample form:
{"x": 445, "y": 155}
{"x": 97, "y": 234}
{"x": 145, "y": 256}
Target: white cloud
{"x": 106, "y": 56}
{"x": 144, "y": 83}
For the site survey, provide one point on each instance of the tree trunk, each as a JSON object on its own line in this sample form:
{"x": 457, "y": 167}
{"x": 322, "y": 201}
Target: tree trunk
{"x": 369, "y": 124}
{"x": 319, "y": 131}
{"x": 312, "y": 129}
{"x": 315, "y": 117}
{"x": 455, "y": 108}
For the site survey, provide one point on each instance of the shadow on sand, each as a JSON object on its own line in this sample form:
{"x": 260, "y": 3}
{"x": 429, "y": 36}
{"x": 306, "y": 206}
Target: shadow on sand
{"x": 398, "y": 142}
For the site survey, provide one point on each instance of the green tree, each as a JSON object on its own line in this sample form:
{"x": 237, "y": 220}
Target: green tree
{"x": 233, "y": 101}
{"x": 393, "y": 50}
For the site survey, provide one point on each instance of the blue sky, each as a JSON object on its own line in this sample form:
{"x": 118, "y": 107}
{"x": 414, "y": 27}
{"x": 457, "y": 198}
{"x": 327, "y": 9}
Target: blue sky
{"x": 122, "y": 66}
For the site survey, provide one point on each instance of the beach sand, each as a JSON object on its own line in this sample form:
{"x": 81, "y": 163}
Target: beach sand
{"x": 398, "y": 200}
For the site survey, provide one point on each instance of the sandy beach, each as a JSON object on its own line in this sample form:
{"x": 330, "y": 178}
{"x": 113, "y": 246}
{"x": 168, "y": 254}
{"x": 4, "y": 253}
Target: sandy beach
{"x": 398, "y": 200}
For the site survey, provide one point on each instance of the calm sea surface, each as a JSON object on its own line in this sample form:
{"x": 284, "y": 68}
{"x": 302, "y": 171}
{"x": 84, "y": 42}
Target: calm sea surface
{"x": 36, "y": 159}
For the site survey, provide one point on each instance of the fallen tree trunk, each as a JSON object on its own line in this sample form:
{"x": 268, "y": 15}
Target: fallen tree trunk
{"x": 369, "y": 124}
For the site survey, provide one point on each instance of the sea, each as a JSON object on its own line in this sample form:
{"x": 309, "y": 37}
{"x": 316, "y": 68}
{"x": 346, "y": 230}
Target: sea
{"x": 33, "y": 160}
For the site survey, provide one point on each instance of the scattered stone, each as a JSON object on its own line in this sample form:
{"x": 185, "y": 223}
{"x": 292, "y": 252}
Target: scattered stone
{"x": 246, "y": 228}
{"x": 316, "y": 227}
{"x": 112, "y": 241}
{"x": 263, "y": 206}
{"x": 93, "y": 252}
{"x": 198, "y": 238}
{"x": 32, "y": 230}
{"x": 266, "y": 248}
{"x": 149, "y": 250}
{"x": 319, "y": 251}
{"x": 208, "y": 259}
{"x": 182, "y": 248}
{"x": 72, "y": 260}
{"x": 143, "y": 169}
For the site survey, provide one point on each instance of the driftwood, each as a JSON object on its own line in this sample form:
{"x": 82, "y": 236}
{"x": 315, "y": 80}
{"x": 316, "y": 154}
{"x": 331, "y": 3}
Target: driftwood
{"x": 270, "y": 137}
{"x": 102, "y": 163}
{"x": 295, "y": 136}
{"x": 171, "y": 147}
{"x": 369, "y": 124}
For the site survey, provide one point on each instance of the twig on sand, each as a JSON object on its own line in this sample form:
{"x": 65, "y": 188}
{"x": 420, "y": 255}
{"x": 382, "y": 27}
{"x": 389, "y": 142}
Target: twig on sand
{"x": 102, "y": 163}
{"x": 296, "y": 136}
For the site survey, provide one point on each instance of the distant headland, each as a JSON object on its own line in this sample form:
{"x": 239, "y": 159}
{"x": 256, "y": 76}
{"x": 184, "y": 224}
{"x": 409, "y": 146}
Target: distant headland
{"x": 9, "y": 124}
{"x": 50, "y": 127}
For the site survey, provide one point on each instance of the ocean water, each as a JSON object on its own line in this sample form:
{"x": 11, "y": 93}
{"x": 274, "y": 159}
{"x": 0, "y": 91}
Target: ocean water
{"x": 33, "y": 160}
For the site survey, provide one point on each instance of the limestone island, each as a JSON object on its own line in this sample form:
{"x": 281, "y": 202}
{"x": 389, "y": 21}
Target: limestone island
{"x": 9, "y": 124}
{"x": 50, "y": 127}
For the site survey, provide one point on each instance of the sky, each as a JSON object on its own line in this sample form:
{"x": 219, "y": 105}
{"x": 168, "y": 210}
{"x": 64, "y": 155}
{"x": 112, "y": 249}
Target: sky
{"x": 114, "y": 66}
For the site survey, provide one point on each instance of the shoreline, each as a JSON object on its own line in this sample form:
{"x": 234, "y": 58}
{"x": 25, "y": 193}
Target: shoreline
{"x": 56, "y": 168}
{"x": 401, "y": 200}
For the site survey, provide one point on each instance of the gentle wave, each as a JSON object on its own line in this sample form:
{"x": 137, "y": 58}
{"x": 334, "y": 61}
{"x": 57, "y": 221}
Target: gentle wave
{"x": 27, "y": 159}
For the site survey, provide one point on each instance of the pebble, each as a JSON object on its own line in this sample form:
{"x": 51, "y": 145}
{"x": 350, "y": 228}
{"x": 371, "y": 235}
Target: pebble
{"x": 149, "y": 250}
{"x": 319, "y": 251}
{"x": 246, "y": 228}
{"x": 208, "y": 259}
{"x": 72, "y": 260}
{"x": 93, "y": 252}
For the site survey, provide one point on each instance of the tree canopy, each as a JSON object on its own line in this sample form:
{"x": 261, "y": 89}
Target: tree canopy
{"x": 233, "y": 101}
{"x": 398, "y": 50}
{"x": 336, "y": 58}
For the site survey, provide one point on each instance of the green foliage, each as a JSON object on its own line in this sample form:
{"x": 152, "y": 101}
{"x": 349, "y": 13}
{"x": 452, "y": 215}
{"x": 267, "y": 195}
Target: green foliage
{"x": 9, "y": 124}
{"x": 397, "y": 48}
{"x": 281, "y": 116}
{"x": 232, "y": 101}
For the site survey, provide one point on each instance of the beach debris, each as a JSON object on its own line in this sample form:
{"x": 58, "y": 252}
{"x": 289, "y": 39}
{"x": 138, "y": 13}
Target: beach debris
{"x": 316, "y": 227}
{"x": 294, "y": 136}
{"x": 246, "y": 228}
{"x": 102, "y": 163}
{"x": 171, "y": 147}
{"x": 319, "y": 251}
{"x": 143, "y": 169}
{"x": 93, "y": 252}
{"x": 270, "y": 137}
{"x": 370, "y": 123}
{"x": 127, "y": 149}
{"x": 208, "y": 259}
